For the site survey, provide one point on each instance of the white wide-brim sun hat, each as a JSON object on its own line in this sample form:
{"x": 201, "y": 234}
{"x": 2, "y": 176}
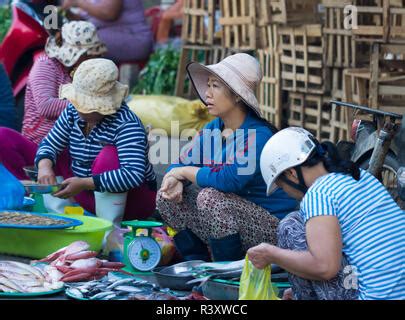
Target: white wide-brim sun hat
{"x": 95, "y": 88}
{"x": 240, "y": 72}
{"x": 78, "y": 38}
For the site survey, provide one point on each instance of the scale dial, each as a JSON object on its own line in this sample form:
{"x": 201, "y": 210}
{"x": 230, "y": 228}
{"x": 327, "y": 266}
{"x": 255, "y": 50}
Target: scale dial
{"x": 144, "y": 253}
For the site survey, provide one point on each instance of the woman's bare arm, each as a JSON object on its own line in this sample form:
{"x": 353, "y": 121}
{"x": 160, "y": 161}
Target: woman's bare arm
{"x": 107, "y": 10}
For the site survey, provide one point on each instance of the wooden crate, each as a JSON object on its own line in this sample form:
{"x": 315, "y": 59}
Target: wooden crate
{"x": 270, "y": 89}
{"x": 382, "y": 85}
{"x": 199, "y": 22}
{"x": 380, "y": 21}
{"x": 397, "y": 27}
{"x": 239, "y": 24}
{"x": 387, "y": 79}
{"x": 203, "y": 54}
{"x": 301, "y": 57}
{"x": 318, "y": 116}
{"x": 336, "y": 84}
{"x": 293, "y": 12}
{"x": 340, "y": 123}
{"x": 356, "y": 84}
{"x": 311, "y": 112}
{"x": 340, "y": 44}
{"x": 268, "y": 35}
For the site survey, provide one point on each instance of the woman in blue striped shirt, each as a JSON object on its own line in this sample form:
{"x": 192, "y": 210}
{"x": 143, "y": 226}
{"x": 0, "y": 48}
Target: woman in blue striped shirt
{"x": 107, "y": 144}
{"x": 348, "y": 239}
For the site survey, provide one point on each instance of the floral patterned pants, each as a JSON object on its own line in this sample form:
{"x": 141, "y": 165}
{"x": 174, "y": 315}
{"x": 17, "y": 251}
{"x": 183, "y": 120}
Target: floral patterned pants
{"x": 212, "y": 214}
{"x": 291, "y": 235}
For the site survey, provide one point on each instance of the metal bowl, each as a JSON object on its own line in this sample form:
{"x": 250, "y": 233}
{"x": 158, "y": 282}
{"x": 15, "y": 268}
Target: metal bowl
{"x": 41, "y": 188}
{"x": 31, "y": 172}
{"x": 176, "y": 276}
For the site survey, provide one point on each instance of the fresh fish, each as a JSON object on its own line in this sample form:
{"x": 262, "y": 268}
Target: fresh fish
{"x": 102, "y": 295}
{"x": 128, "y": 289}
{"x": 11, "y": 284}
{"x": 75, "y": 292}
{"x": 5, "y": 266}
{"x": 221, "y": 266}
{"x": 35, "y": 289}
{"x": 28, "y": 268}
{"x": 6, "y": 289}
{"x": 109, "y": 297}
{"x": 119, "y": 282}
{"x": 53, "y": 285}
{"x": 15, "y": 276}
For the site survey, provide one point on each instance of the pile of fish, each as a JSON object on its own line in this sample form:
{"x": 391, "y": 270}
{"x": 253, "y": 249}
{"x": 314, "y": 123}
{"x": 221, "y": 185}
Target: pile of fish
{"x": 23, "y": 278}
{"x": 76, "y": 263}
{"x": 112, "y": 287}
{"x": 18, "y": 218}
{"x": 217, "y": 270}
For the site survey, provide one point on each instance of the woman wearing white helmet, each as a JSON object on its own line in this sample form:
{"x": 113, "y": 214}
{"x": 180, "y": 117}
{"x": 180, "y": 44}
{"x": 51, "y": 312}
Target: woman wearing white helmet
{"x": 348, "y": 239}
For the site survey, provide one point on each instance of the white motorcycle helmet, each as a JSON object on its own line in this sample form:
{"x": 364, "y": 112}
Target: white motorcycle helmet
{"x": 288, "y": 148}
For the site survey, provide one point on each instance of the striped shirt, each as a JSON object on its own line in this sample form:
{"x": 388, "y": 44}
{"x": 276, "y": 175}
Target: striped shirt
{"x": 372, "y": 227}
{"x": 123, "y": 130}
{"x": 42, "y": 103}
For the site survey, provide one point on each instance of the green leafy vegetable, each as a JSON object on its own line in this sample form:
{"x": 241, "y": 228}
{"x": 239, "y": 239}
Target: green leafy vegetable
{"x": 5, "y": 20}
{"x": 159, "y": 75}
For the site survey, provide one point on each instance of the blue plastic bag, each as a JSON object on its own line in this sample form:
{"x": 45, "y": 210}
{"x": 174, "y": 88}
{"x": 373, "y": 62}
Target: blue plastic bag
{"x": 11, "y": 191}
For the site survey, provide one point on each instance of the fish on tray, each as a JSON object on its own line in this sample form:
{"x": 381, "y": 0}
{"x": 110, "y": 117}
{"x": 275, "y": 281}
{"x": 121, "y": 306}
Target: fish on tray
{"x": 23, "y": 278}
{"x": 110, "y": 287}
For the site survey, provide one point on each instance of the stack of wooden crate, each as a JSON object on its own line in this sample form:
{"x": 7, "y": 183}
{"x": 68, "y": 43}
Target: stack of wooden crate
{"x": 308, "y": 56}
{"x": 380, "y": 83}
{"x": 200, "y": 39}
{"x": 289, "y": 58}
{"x": 303, "y": 75}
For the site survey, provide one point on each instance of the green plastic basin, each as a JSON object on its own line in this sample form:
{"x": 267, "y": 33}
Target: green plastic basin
{"x": 37, "y": 244}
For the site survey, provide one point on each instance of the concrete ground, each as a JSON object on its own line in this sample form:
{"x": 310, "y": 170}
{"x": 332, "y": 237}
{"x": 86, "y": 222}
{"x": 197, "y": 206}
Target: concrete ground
{"x": 159, "y": 168}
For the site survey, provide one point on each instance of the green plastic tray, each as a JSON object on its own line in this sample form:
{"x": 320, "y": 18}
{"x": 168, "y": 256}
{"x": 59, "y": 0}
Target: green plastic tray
{"x": 37, "y": 244}
{"x": 29, "y": 295}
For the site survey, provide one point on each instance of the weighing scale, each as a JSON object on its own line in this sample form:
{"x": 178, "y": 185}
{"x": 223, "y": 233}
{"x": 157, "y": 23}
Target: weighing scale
{"x": 141, "y": 252}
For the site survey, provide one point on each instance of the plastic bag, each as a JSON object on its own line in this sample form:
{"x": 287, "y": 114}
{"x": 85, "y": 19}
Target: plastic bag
{"x": 166, "y": 244}
{"x": 255, "y": 284}
{"x": 114, "y": 247}
{"x": 159, "y": 111}
{"x": 11, "y": 192}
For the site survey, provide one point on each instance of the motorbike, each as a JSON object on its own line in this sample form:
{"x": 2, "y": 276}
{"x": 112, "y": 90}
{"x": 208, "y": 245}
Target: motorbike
{"x": 22, "y": 45}
{"x": 378, "y": 146}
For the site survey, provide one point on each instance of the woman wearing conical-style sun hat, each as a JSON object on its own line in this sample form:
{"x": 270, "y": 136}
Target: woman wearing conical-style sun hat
{"x": 228, "y": 212}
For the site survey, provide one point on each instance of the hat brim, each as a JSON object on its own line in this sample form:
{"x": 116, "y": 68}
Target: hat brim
{"x": 272, "y": 186}
{"x": 68, "y": 55}
{"x": 86, "y": 103}
{"x": 199, "y": 75}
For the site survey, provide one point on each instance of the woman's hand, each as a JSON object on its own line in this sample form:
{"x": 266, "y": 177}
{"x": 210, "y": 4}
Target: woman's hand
{"x": 46, "y": 175}
{"x": 288, "y": 294}
{"x": 72, "y": 187}
{"x": 177, "y": 173}
{"x": 172, "y": 189}
{"x": 261, "y": 255}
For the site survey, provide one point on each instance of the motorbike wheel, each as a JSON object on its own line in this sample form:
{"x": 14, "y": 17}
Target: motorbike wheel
{"x": 389, "y": 176}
